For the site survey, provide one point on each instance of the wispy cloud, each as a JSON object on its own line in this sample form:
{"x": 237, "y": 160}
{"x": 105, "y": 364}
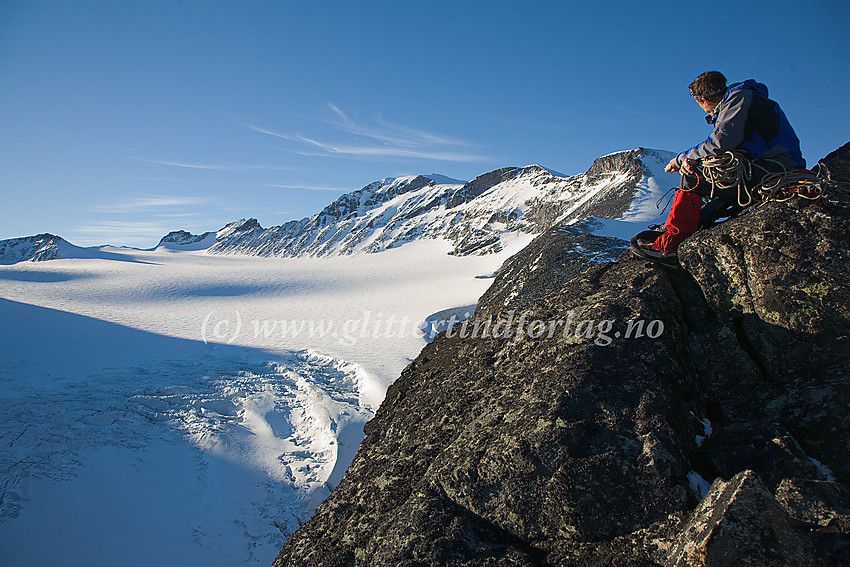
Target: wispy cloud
{"x": 175, "y": 215}
{"x": 272, "y": 133}
{"x": 138, "y": 178}
{"x": 337, "y": 111}
{"x": 378, "y": 139}
{"x": 383, "y": 131}
{"x": 392, "y": 151}
{"x": 112, "y": 228}
{"x": 149, "y": 204}
{"x": 217, "y": 167}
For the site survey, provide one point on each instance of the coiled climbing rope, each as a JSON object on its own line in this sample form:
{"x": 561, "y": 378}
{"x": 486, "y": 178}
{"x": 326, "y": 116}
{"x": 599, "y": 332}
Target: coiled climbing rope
{"x": 732, "y": 170}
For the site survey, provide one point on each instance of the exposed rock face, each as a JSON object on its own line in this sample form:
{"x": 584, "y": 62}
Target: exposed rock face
{"x": 36, "y": 248}
{"x": 838, "y": 163}
{"x": 587, "y": 444}
{"x": 740, "y": 523}
{"x": 819, "y": 504}
{"x": 778, "y": 282}
{"x": 181, "y": 239}
{"x": 616, "y": 201}
{"x": 544, "y": 265}
{"x": 479, "y": 185}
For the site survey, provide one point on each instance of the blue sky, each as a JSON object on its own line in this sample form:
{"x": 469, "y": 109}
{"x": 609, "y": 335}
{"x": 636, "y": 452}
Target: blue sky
{"x": 121, "y": 121}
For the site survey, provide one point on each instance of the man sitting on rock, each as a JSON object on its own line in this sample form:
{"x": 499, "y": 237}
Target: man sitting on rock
{"x": 745, "y": 121}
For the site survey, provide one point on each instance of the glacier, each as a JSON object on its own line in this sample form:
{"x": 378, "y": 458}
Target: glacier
{"x": 193, "y": 403}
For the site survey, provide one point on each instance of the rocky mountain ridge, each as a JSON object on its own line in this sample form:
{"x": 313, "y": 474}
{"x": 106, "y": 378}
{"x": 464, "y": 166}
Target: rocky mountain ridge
{"x": 44, "y": 247}
{"x": 624, "y": 415}
{"x": 184, "y": 240}
{"x": 38, "y": 248}
{"x": 473, "y": 217}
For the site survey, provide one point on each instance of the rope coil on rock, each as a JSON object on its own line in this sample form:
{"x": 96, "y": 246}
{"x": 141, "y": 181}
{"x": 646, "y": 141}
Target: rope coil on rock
{"x": 732, "y": 170}
{"x": 729, "y": 171}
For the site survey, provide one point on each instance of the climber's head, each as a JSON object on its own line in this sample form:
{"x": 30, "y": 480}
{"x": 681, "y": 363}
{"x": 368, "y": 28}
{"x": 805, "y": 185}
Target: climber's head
{"x": 708, "y": 90}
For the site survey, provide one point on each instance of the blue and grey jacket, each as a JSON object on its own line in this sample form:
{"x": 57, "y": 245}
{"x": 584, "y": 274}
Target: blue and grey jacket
{"x": 747, "y": 120}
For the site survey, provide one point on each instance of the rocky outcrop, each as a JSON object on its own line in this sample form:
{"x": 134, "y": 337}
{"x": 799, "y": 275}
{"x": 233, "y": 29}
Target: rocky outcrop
{"x": 479, "y": 185}
{"x": 740, "y": 523}
{"x": 38, "y": 248}
{"x": 184, "y": 240}
{"x": 620, "y": 172}
{"x": 544, "y": 265}
{"x": 777, "y": 281}
{"x": 373, "y": 194}
{"x": 578, "y": 419}
{"x": 838, "y": 163}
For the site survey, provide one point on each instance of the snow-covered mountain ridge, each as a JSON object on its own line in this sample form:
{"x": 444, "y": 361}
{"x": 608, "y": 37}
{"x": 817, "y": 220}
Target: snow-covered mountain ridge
{"x": 43, "y": 247}
{"x": 473, "y": 217}
{"x": 37, "y": 248}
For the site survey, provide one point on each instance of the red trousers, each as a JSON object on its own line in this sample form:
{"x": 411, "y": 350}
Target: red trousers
{"x": 682, "y": 220}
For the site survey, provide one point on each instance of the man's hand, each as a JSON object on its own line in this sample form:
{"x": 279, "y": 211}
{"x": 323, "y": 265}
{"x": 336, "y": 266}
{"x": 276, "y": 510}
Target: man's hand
{"x": 673, "y": 166}
{"x": 689, "y": 166}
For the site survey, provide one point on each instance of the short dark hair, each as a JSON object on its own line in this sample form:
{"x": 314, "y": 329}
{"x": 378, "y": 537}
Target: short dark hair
{"x": 710, "y": 85}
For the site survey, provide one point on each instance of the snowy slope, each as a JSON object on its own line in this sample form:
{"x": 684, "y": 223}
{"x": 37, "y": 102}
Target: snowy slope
{"x": 204, "y": 403}
{"x": 647, "y": 205}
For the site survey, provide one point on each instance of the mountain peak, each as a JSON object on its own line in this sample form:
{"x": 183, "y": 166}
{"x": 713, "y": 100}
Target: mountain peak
{"x": 36, "y": 248}
{"x": 473, "y": 216}
{"x": 184, "y": 240}
{"x": 443, "y": 180}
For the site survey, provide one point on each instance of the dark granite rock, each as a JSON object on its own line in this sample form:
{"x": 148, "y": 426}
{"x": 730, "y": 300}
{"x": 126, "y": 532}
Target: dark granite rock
{"x": 544, "y": 265}
{"x": 477, "y": 241}
{"x": 183, "y": 238}
{"x": 738, "y": 524}
{"x": 582, "y": 444}
{"x": 838, "y": 163}
{"x": 777, "y": 359}
{"x": 817, "y": 503}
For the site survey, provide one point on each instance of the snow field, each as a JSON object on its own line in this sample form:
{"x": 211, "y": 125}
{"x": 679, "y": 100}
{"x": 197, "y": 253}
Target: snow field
{"x": 125, "y": 437}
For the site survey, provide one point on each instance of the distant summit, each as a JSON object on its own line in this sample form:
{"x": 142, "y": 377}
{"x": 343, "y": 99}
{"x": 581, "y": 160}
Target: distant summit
{"x": 43, "y": 247}
{"x": 182, "y": 240}
{"x": 36, "y": 248}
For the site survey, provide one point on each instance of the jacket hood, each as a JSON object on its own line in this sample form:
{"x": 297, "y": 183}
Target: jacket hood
{"x": 750, "y": 84}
